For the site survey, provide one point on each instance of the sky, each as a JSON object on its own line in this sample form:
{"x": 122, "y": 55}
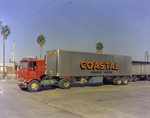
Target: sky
{"x": 123, "y": 26}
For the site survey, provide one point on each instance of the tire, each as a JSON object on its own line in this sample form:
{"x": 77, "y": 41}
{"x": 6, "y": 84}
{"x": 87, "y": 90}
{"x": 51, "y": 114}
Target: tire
{"x": 131, "y": 79}
{"x": 64, "y": 83}
{"x": 72, "y": 79}
{"x": 124, "y": 81}
{"x": 114, "y": 81}
{"x": 34, "y": 86}
{"x": 148, "y": 78}
{"x": 105, "y": 81}
{"x": 118, "y": 81}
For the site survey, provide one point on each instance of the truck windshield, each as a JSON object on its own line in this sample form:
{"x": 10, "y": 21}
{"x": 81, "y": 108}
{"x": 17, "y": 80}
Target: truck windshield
{"x": 23, "y": 64}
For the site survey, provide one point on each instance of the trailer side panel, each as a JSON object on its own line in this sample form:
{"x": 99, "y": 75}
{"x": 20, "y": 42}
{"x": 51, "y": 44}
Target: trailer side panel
{"x": 71, "y": 63}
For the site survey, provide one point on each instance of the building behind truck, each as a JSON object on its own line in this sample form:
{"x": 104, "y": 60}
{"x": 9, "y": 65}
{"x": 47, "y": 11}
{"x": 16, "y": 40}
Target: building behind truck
{"x": 63, "y": 67}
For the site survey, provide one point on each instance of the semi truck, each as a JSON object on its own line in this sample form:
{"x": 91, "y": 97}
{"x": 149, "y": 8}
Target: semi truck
{"x": 62, "y": 67}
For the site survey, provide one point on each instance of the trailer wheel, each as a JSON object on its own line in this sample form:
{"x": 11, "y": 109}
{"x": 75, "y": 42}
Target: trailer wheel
{"x": 124, "y": 80}
{"x": 148, "y": 78}
{"x": 118, "y": 81}
{"x": 34, "y": 86}
{"x": 114, "y": 81}
{"x": 64, "y": 83}
{"x": 105, "y": 81}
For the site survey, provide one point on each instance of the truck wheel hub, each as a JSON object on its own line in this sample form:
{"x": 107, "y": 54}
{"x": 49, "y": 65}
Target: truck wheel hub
{"x": 34, "y": 86}
{"x": 66, "y": 83}
{"x": 125, "y": 81}
{"x": 119, "y": 81}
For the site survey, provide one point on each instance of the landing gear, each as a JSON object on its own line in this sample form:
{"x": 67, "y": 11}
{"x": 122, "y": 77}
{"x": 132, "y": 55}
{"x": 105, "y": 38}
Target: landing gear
{"x": 148, "y": 78}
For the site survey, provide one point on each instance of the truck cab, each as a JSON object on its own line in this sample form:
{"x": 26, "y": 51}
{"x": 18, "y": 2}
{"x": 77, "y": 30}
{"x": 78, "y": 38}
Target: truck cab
{"x": 30, "y": 69}
{"x": 31, "y": 76}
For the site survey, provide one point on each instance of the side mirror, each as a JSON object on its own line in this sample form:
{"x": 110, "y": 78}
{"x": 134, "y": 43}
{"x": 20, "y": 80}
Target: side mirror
{"x": 19, "y": 67}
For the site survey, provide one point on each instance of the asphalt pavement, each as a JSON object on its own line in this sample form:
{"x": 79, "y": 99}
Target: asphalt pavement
{"x": 80, "y": 101}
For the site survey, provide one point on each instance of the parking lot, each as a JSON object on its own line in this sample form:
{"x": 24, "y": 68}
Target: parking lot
{"x": 80, "y": 101}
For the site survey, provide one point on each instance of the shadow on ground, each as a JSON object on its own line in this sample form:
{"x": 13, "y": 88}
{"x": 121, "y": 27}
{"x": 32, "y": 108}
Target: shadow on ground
{"x": 72, "y": 85}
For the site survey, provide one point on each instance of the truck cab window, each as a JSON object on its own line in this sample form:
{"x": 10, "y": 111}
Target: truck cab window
{"x": 23, "y": 64}
{"x": 32, "y": 64}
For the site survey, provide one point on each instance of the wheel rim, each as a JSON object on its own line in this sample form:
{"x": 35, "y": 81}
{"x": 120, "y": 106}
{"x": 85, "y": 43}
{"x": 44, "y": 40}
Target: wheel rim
{"x": 66, "y": 83}
{"x": 119, "y": 81}
{"x": 125, "y": 81}
{"x": 34, "y": 86}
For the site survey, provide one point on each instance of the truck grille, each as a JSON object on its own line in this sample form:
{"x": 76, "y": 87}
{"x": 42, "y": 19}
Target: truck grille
{"x": 21, "y": 80}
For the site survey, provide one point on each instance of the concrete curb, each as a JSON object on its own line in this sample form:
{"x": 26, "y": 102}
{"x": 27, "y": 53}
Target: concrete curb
{"x": 1, "y": 75}
{"x": 6, "y": 79}
{"x": 9, "y": 75}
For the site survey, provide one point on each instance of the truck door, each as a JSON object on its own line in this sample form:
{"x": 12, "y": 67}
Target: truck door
{"x": 32, "y": 70}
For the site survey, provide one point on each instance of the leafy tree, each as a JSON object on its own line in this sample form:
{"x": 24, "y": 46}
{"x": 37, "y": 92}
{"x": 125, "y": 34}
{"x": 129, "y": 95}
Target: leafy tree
{"x": 99, "y": 47}
{"x": 5, "y": 32}
{"x": 41, "y": 41}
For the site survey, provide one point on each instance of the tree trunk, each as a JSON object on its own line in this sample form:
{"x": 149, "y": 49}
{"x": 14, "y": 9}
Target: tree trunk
{"x": 3, "y": 57}
{"x": 40, "y": 52}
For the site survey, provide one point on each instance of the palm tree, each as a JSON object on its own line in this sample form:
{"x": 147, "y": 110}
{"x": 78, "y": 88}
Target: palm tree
{"x": 41, "y": 41}
{"x": 99, "y": 47}
{"x": 5, "y": 32}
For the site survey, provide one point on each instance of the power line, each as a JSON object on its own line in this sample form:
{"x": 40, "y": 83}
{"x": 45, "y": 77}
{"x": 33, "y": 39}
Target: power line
{"x": 126, "y": 45}
{"x": 33, "y": 14}
{"x": 49, "y": 14}
{"x": 129, "y": 48}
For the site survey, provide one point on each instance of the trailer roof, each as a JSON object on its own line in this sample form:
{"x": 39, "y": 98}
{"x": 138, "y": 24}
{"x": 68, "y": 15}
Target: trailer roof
{"x": 83, "y": 52}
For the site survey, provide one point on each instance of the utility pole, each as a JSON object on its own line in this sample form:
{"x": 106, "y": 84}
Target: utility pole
{"x": 13, "y": 60}
{"x": 146, "y": 56}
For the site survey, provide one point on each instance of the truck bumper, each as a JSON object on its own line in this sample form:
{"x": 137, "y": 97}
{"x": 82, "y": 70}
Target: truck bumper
{"x": 22, "y": 84}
